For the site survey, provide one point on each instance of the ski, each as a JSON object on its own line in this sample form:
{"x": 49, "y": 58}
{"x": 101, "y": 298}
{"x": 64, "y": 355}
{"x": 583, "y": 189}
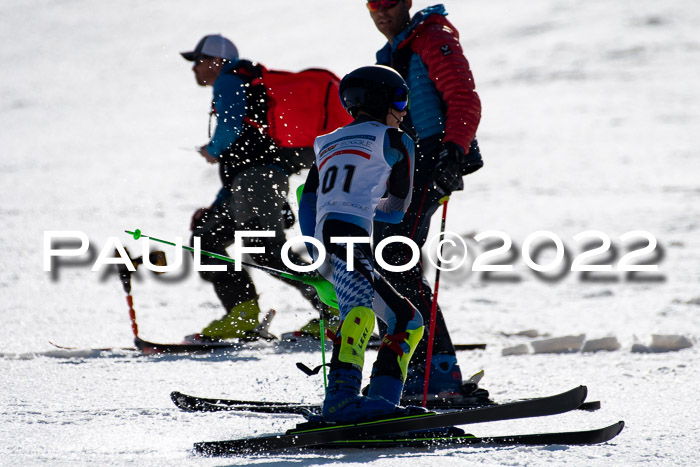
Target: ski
{"x": 375, "y": 341}
{"x": 202, "y": 404}
{"x": 455, "y": 404}
{"x": 596, "y": 436}
{"x": 98, "y": 349}
{"x": 458, "y": 347}
{"x": 150, "y": 348}
{"x": 309, "y": 434}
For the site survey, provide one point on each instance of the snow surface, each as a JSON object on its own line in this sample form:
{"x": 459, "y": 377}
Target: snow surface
{"x": 590, "y": 121}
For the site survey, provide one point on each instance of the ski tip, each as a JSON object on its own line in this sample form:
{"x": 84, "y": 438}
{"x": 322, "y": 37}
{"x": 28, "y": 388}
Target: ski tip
{"x": 621, "y": 425}
{"x": 62, "y": 347}
{"x": 610, "y": 432}
{"x": 584, "y": 392}
{"x": 202, "y": 449}
{"x": 178, "y": 399}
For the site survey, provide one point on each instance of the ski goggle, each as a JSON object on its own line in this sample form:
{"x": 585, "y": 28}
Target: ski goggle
{"x": 400, "y": 100}
{"x": 400, "y": 105}
{"x": 373, "y": 5}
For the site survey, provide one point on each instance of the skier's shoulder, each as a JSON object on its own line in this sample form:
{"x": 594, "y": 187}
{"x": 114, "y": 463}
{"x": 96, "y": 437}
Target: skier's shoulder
{"x": 398, "y": 139}
{"x": 229, "y": 80}
{"x": 358, "y": 127}
{"x": 425, "y": 24}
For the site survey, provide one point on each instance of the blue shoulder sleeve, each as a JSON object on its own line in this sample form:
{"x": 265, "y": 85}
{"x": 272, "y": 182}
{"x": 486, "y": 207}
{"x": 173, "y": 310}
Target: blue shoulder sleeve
{"x": 230, "y": 106}
{"x": 400, "y": 156}
{"x": 307, "y": 207}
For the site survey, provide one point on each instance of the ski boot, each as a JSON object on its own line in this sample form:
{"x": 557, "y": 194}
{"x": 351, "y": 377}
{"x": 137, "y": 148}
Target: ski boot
{"x": 239, "y": 323}
{"x": 445, "y": 385}
{"x": 343, "y": 402}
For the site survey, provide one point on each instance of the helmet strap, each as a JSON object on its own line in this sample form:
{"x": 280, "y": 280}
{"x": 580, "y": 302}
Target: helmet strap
{"x": 391, "y": 111}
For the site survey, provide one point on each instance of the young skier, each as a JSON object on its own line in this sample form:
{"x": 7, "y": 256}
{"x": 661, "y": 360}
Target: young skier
{"x": 363, "y": 172}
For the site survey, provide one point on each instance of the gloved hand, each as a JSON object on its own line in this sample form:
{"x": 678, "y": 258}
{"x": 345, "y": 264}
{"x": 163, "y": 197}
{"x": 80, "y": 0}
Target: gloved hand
{"x": 208, "y": 157}
{"x": 197, "y": 216}
{"x": 288, "y": 218}
{"x": 472, "y": 160}
{"x": 447, "y": 173}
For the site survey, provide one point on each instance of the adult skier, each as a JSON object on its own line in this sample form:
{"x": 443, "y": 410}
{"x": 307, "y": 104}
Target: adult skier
{"x": 444, "y": 113}
{"x": 255, "y": 178}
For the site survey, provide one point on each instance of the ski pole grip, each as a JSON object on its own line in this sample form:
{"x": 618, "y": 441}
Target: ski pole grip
{"x": 136, "y": 233}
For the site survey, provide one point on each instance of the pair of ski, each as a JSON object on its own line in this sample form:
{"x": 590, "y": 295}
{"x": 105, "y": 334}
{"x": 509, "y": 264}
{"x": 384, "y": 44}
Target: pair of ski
{"x": 409, "y": 430}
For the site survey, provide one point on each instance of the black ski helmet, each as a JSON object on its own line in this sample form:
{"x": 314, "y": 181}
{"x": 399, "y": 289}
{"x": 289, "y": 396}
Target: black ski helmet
{"x": 374, "y": 89}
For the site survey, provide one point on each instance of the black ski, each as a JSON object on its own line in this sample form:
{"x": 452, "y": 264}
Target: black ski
{"x": 309, "y": 434}
{"x": 374, "y": 342}
{"x": 202, "y": 404}
{"x": 260, "y": 332}
{"x": 456, "y": 404}
{"x": 600, "y": 435}
{"x": 207, "y": 347}
{"x": 458, "y": 347}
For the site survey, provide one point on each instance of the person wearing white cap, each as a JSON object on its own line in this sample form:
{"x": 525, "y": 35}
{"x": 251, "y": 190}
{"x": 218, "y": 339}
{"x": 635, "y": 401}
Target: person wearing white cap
{"x": 255, "y": 182}
{"x": 214, "y": 45}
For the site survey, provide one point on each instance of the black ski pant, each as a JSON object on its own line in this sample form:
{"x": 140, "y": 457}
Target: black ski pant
{"x": 412, "y": 284}
{"x": 257, "y": 201}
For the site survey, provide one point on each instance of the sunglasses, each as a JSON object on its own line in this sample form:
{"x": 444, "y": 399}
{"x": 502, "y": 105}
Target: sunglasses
{"x": 373, "y": 5}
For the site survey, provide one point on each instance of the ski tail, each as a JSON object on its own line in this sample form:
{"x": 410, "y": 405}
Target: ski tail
{"x": 413, "y": 440}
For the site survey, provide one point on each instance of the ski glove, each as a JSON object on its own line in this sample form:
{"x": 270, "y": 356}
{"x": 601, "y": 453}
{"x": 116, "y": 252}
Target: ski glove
{"x": 197, "y": 217}
{"x": 288, "y": 218}
{"x": 448, "y": 170}
{"x": 472, "y": 160}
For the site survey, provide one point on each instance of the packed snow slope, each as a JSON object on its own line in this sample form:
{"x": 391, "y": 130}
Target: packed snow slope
{"x": 590, "y": 117}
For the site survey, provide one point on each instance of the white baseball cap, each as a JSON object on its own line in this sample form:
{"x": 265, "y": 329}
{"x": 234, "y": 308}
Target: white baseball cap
{"x": 214, "y": 45}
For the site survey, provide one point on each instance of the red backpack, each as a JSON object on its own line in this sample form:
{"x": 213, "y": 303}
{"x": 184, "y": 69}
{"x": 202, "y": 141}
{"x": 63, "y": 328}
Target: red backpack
{"x": 297, "y": 108}
{"x": 302, "y": 106}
